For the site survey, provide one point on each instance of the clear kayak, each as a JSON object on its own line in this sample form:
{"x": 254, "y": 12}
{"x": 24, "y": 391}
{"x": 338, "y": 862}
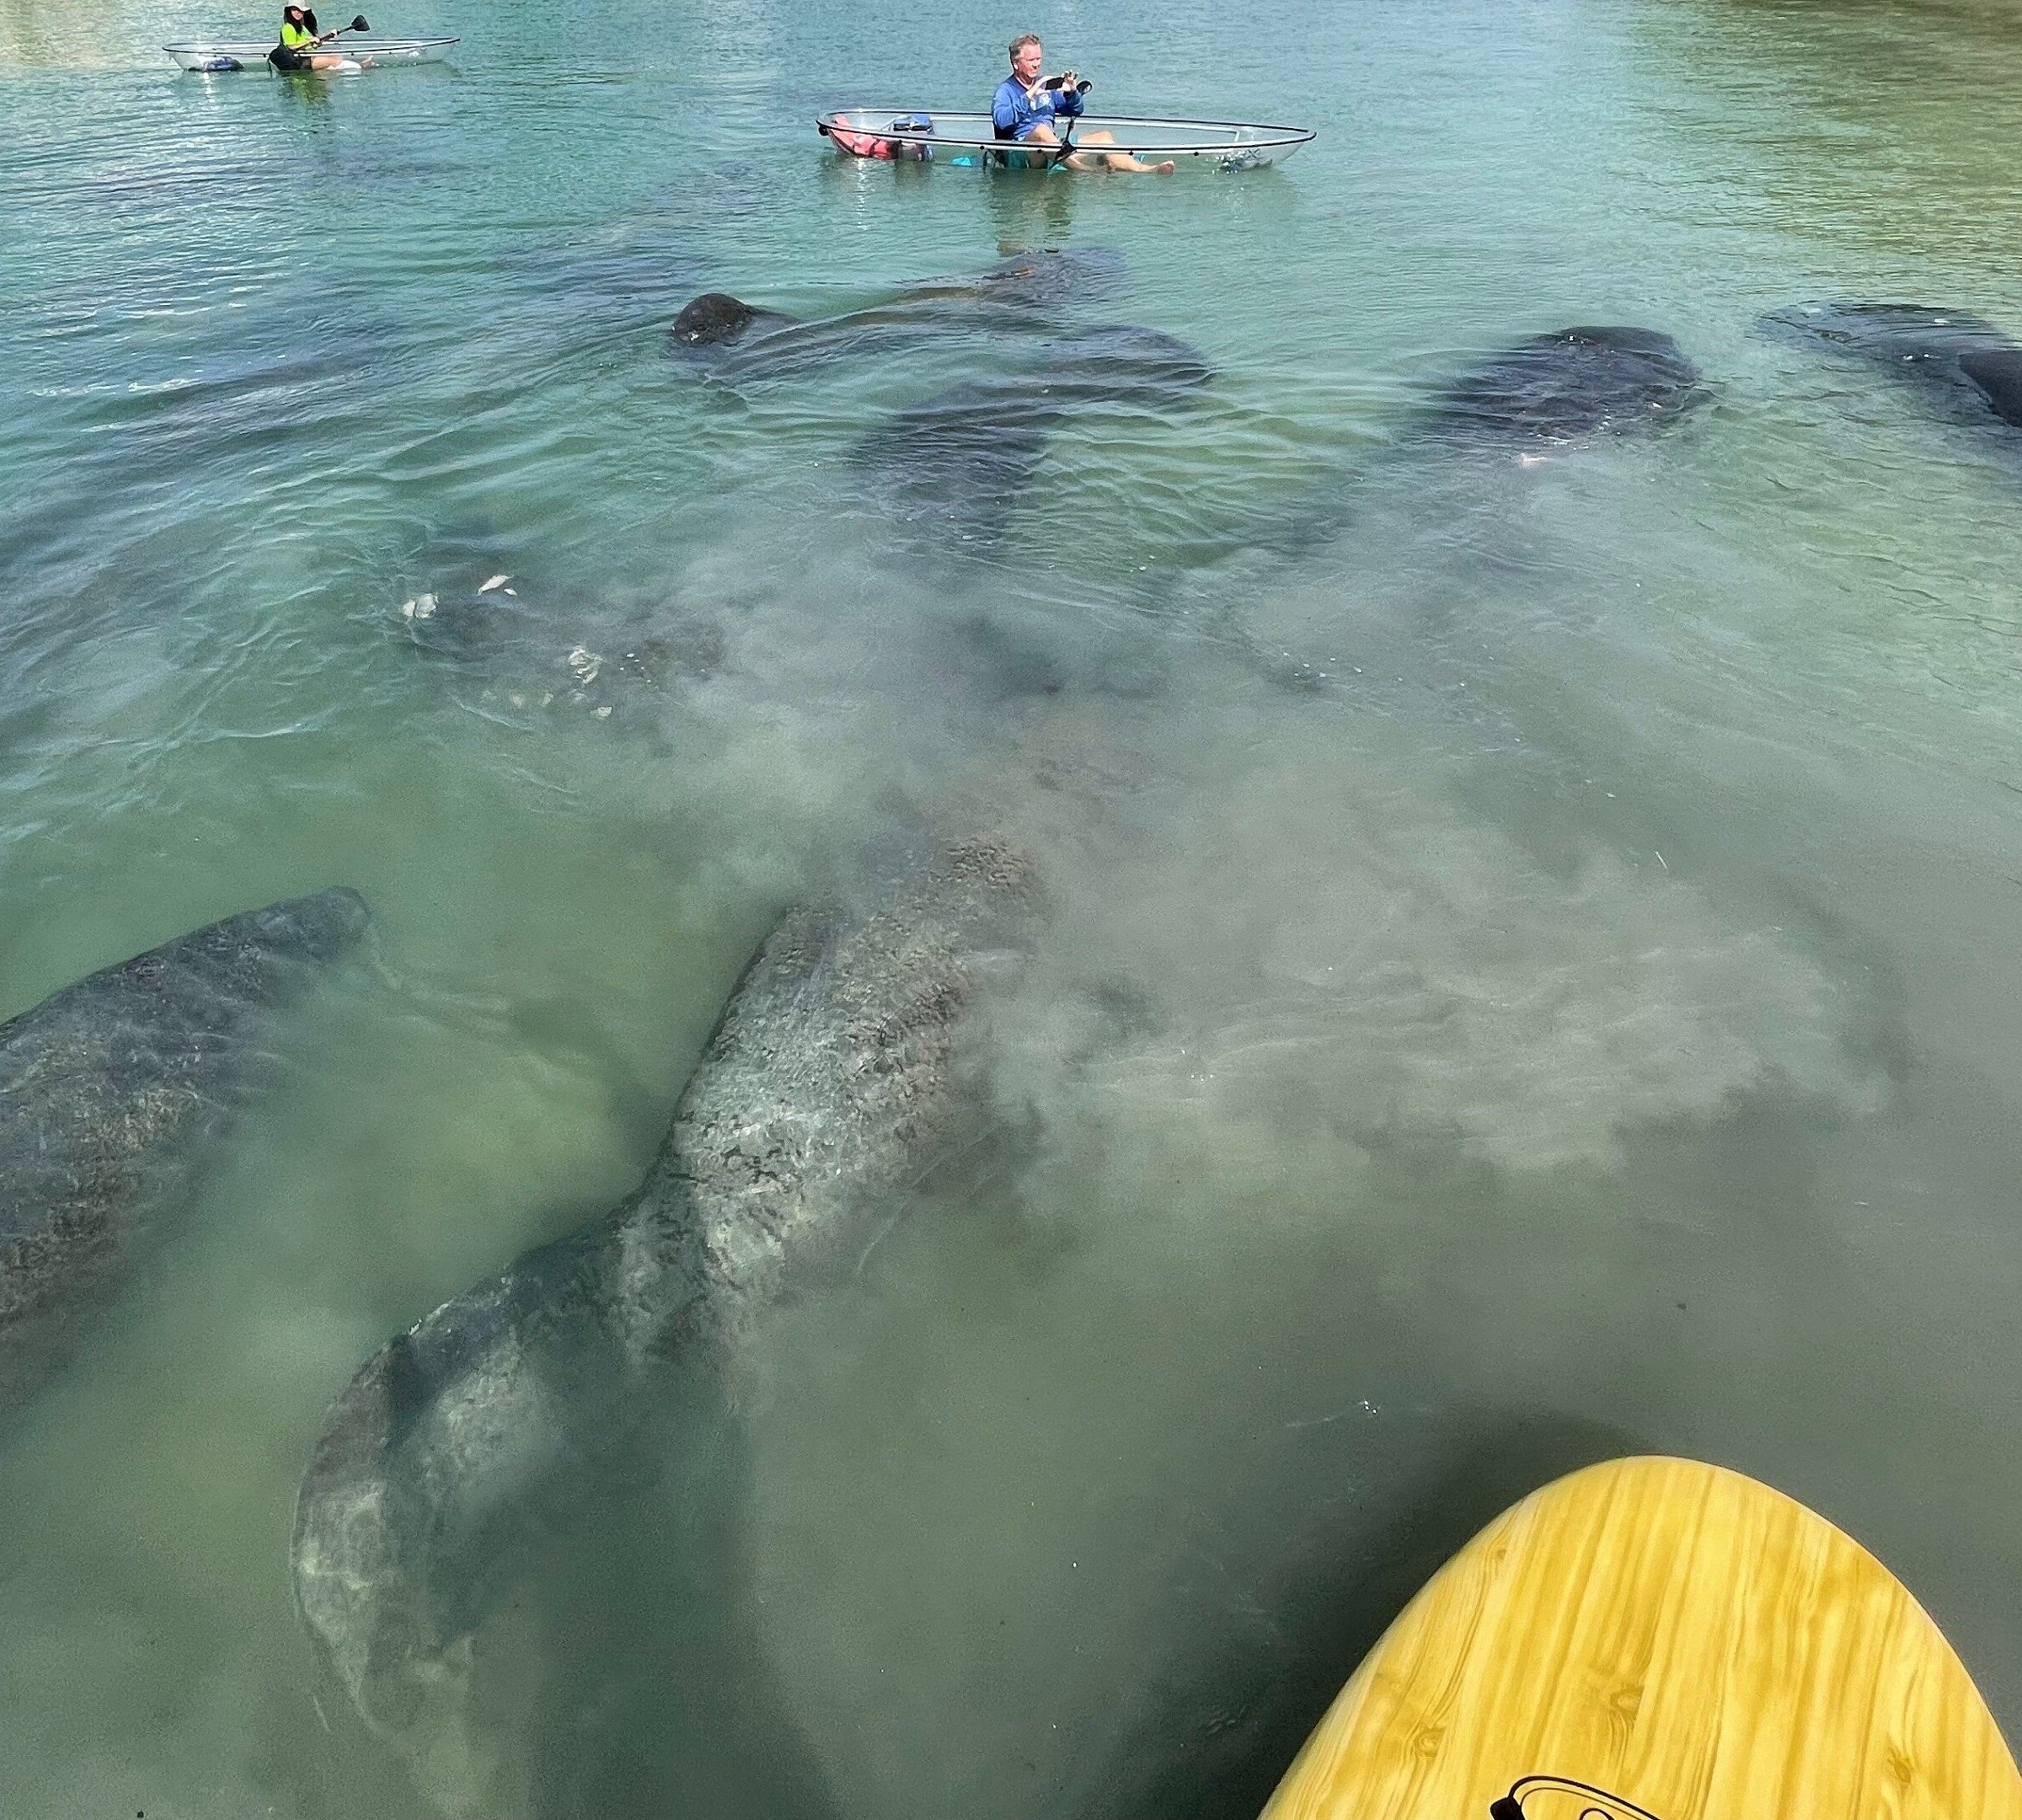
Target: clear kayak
{"x": 367, "y": 53}
{"x": 970, "y": 138}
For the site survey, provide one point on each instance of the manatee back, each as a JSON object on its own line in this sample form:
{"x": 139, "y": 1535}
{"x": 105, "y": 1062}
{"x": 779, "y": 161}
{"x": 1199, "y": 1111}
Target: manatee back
{"x": 961, "y": 460}
{"x": 836, "y": 1073}
{"x": 1956, "y": 356}
{"x": 1998, "y": 372}
{"x": 1570, "y": 383}
{"x": 111, "y": 1089}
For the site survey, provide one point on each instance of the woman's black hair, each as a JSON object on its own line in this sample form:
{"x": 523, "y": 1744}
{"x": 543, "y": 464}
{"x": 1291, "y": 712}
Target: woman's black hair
{"x": 309, "y": 18}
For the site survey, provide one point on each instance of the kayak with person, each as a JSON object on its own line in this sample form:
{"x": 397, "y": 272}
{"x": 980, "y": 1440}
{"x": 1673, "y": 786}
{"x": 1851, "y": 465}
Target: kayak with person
{"x": 299, "y": 48}
{"x": 1040, "y": 123}
{"x": 1027, "y": 105}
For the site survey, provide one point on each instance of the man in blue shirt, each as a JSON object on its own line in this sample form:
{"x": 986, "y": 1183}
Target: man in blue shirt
{"x": 1025, "y": 109}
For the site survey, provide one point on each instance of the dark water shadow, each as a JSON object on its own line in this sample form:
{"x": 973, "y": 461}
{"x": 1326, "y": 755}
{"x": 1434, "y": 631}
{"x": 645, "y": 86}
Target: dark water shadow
{"x": 1217, "y": 1722}
{"x": 654, "y": 1695}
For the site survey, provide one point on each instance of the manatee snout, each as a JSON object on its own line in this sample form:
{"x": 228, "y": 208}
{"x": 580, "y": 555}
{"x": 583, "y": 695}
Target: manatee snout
{"x": 324, "y": 926}
{"x": 711, "y": 320}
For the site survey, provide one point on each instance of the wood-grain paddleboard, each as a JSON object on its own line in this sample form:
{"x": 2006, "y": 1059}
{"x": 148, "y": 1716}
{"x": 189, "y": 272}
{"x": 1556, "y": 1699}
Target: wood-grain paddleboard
{"x": 1657, "y": 1639}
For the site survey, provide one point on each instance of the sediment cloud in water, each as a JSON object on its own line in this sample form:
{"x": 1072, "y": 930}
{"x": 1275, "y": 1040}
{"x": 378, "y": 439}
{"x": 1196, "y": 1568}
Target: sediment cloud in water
{"x": 1363, "y": 958}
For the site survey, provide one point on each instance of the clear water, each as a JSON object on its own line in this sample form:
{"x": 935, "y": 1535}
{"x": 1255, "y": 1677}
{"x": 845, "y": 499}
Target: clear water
{"x": 1577, "y": 1017}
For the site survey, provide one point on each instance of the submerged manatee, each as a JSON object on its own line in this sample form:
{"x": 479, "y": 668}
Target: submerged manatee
{"x": 1046, "y": 277}
{"x": 730, "y": 339}
{"x": 530, "y": 655}
{"x": 1963, "y": 358}
{"x": 835, "y": 1074}
{"x": 108, "y": 1092}
{"x": 1568, "y": 384}
{"x": 961, "y": 462}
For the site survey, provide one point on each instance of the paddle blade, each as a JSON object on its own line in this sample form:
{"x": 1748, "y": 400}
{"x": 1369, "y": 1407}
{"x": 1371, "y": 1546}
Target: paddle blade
{"x": 358, "y": 24}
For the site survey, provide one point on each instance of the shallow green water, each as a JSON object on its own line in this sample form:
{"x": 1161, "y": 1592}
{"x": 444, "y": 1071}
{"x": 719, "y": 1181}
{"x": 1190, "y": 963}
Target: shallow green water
{"x": 1577, "y": 1019}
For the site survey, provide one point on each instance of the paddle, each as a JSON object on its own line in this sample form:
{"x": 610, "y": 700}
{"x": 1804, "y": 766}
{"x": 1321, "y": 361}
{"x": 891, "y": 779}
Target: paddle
{"x": 359, "y": 24}
{"x": 1066, "y": 135}
{"x": 1067, "y": 140}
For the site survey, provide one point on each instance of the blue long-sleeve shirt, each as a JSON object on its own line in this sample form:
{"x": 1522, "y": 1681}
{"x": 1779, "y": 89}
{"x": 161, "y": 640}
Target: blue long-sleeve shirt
{"x": 1015, "y": 113}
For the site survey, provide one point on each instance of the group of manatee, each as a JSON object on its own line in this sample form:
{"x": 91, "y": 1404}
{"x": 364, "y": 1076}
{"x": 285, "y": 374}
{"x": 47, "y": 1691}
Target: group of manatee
{"x": 837, "y": 1066}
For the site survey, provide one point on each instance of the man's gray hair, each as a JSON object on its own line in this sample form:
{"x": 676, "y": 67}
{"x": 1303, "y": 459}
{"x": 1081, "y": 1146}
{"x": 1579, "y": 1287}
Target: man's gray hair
{"x": 1019, "y": 43}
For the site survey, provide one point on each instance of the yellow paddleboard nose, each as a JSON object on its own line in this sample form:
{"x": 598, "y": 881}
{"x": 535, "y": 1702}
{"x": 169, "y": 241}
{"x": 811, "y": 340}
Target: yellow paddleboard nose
{"x": 1657, "y": 1639}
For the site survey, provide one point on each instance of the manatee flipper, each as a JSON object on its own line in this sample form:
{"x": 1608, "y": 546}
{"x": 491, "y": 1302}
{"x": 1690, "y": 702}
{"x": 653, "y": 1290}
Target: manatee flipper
{"x": 111, "y": 1090}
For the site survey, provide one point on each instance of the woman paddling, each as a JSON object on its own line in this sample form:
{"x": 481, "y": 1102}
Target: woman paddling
{"x": 296, "y": 50}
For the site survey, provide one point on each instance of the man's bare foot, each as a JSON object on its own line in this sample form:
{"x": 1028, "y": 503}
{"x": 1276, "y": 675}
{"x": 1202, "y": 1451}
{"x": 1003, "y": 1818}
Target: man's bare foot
{"x": 1167, "y": 169}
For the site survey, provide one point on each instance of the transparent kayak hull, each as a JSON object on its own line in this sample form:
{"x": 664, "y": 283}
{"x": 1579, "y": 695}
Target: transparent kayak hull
{"x": 949, "y": 135}
{"x": 367, "y": 53}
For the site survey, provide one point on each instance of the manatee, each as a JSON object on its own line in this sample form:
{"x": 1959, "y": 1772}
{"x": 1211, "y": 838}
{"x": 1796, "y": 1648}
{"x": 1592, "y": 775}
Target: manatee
{"x": 534, "y": 644}
{"x": 1998, "y": 372}
{"x": 1043, "y": 278}
{"x": 961, "y": 461}
{"x": 1958, "y": 358}
{"x": 109, "y": 1093}
{"x": 716, "y": 319}
{"x": 835, "y": 1074}
{"x": 1567, "y": 385}
{"x": 732, "y": 339}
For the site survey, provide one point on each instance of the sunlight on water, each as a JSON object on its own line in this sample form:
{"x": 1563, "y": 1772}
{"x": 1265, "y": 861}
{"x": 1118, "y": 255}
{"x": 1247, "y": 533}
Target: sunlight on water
{"x": 1520, "y": 968}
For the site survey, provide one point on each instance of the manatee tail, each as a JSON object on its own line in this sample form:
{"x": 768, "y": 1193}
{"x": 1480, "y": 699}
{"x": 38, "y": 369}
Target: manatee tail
{"x": 451, "y": 1460}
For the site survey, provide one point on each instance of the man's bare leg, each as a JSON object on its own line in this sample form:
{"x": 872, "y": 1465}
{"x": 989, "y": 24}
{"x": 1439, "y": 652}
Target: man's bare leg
{"x": 1120, "y": 161}
{"x": 1117, "y": 160}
